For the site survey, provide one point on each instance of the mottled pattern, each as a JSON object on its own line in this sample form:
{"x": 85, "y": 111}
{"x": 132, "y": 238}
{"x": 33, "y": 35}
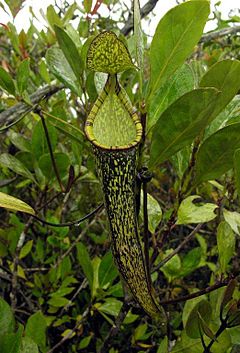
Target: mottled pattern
{"x": 118, "y": 175}
{"x": 108, "y": 54}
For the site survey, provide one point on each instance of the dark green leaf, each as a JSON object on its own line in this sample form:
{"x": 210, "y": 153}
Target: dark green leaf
{"x": 181, "y": 123}
{"x": 62, "y": 162}
{"x": 226, "y": 244}
{"x": 176, "y": 34}
{"x": 181, "y": 82}
{"x": 85, "y": 262}
{"x": 225, "y": 77}
{"x": 70, "y": 52}
{"x": 215, "y": 156}
{"x": 39, "y": 142}
{"x": 6, "y": 318}
{"x": 190, "y": 262}
{"x": 192, "y": 324}
{"x": 23, "y": 73}
{"x": 36, "y": 329}
{"x": 11, "y": 343}
{"x": 107, "y": 270}
{"x": 6, "y": 82}
{"x": 60, "y": 68}
{"x": 205, "y": 328}
{"x": 227, "y": 296}
{"x": 9, "y": 161}
{"x": 236, "y": 164}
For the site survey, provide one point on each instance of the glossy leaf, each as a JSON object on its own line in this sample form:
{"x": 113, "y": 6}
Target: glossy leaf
{"x": 225, "y": 77}
{"x": 215, "y": 156}
{"x": 176, "y": 34}
{"x": 226, "y": 245}
{"x": 36, "y": 329}
{"x": 14, "y": 204}
{"x": 6, "y": 82}
{"x": 181, "y": 123}
{"x": 181, "y": 82}
{"x": 233, "y": 219}
{"x": 189, "y": 212}
{"x": 111, "y": 306}
{"x": 70, "y": 52}
{"x": 6, "y": 318}
{"x": 192, "y": 324}
{"x": 107, "y": 53}
{"x": 60, "y": 68}
{"x": 85, "y": 262}
{"x": 23, "y": 73}
{"x": 11, "y": 162}
{"x": 236, "y": 163}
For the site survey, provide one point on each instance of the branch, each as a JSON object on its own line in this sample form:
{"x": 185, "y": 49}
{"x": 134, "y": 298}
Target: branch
{"x": 145, "y": 10}
{"x": 11, "y": 115}
{"x": 208, "y": 37}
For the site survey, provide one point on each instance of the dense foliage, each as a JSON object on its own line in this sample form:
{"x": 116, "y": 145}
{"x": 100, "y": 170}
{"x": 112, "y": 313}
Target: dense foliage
{"x": 60, "y": 290}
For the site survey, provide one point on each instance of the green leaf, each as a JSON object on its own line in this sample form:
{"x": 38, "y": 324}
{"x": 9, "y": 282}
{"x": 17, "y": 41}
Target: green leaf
{"x": 39, "y": 142}
{"x": 192, "y": 324}
{"x": 6, "y": 82}
{"x": 107, "y": 53}
{"x": 176, "y": 34}
{"x": 236, "y": 163}
{"x": 172, "y": 267}
{"x": 205, "y": 328}
{"x": 189, "y": 212}
{"x": 29, "y": 346}
{"x": 87, "y": 5}
{"x": 23, "y": 73}
{"x": 181, "y": 82}
{"x": 15, "y": 6}
{"x": 154, "y": 212}
{"x": 19, "y": 141}
{"x": 215, "y": 156}
{"x": 52, "y": 17}
{"x": 6, "y": 318}
{"x": 181, "y": 123}
{"x": 228, "y": 293}
{"x": 233, "y": 219}
{"x": 226, "y": 245}
{"x": 190, "y": 262}
{"x": 85, "y": 262}
{"x": 62, "y": 162}
{"x": 36, "y": 329}
{"x": 26, "y": 249}
{"x": 58, "y": 302}
{"x": 11, "y": 343}
{"x": 11, "y": 162}
{"x": 225, "y": 77}
{"x": 111, "y": 306}
{"x": 14, "y": 204}
{"x": 107, "y": 271}
{"x": 138, "y": 40}
{"x": 60, "y": 68}
{"x": 84, "y": 343}
{"x": 187, "y": 345}
{"x": 163, "y": 348}
{"x": 70, "y": 52}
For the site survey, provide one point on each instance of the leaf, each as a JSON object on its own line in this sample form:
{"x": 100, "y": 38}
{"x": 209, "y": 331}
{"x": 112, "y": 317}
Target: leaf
{"x": 62, "y": 162}
{"x": 23, "y": 73}
{"x": 29, "y": 346}
{"x": 87, "y": 5}
{"x": 107, "y": 271}
{"x": 215, "y": 155}
{"x": 176, "y": 34}
{"x": 228, "y": 293}
{"x": 107, "y": 53}
{"x": 236, "y": 163}
{"x": 26, "y": 249}
{"x": 14, "y": 204}
{"x": 6, "y": 318}
{"x": 224, "y": 76}
{"x": 39, "y": 142}
{"x": 154, "y": 212}
{"x": 111, "y": 306}
{"x": 15, "y": 6}
{"x": 180, "y": 123}
{"x": 52, "y": 17}
{"x": 19, "y": 141}
{"x": 172, "y": 267}
{"x": 11, "y": 162}
{"x": 60, "y": 68}
{"x": 70, "y": 52}
{"x": 189, "y": 212}
{"x": 226, "y": 245}
{"x": 181, "y": 82}
{"x": 190, "y": 262}
{"x": 85, "y": 262}
{"x": 36, "y": 329}
{"x": 233, "y": 219}
{"x": 11, "y": 343}
{"x": 58, "y": 302}
{"x": 163, "y": 348}
{"x": 6, "y": 81}
{"x": 138, "y": 41}
{"x": 192, "y": 326}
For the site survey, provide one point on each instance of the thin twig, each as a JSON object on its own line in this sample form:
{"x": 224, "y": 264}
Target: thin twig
{"x": 209, "y": 289}
{"x": 80, "y": 288}
{"x": 178, "y": 248}
{"x": 208, "y": 37}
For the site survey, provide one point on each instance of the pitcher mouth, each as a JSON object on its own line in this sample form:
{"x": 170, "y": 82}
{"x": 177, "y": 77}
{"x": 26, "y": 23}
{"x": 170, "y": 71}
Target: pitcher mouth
{"x": 112, "y": 123}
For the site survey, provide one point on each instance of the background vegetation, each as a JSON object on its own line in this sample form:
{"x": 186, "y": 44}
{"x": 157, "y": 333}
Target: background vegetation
{"x": 60, "y": 290}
